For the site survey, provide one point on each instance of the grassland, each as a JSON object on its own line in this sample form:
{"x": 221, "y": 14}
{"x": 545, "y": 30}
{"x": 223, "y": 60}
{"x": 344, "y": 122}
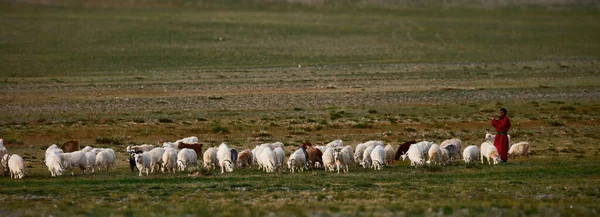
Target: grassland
{"x": 112, "y": 73}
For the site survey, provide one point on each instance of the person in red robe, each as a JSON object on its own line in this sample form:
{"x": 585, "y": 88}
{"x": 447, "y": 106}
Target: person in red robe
{"x": 502, "y": 125}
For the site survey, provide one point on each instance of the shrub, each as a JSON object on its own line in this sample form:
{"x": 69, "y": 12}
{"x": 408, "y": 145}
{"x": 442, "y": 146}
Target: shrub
{"x": 165, "y": 120}
{"x": 219, "y": 129}
{"x": 555, "y": 123}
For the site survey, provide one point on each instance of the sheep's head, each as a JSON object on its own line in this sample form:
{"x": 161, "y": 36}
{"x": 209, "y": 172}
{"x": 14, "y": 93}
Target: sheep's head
{"x": 138, "y": 158}
{"x": 180, "y": 165}
{"x": 404, "y": 156}
{"x": 337, "y": 155}
{"x": 317, "y": 165}
{"x": 228, "y": 166}
{"x": 489, "y": 136}
{"x": 366, "y": 162}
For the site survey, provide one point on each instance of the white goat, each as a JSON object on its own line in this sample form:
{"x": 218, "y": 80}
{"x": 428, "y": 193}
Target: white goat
{"x": 453, "y": 147}
{"x": 390, "y": 152}
{"x": 471, "y": 154}
{"x": 296, "y": 161}
{"x": 489, "y": 152}
{"x": 378, "y": 157}
{"x": 328, "y": 161}
{"x": 143, "y": 162}
{"x": 519, "y": 149}
{"x": 224, "y": 157}
{"x": 210, "y": 158}
{"x": 74, "y": 159}
{"x": 185, "y": 158}
{"x": 418, "y": 153}
{"x": 15, "y": 165}
{"x": 54, "y": 164}
{"x": 358, "y": 153}
{"x": 169, "y": 159}
{"x": 156, "y": 161}
{"x": 435, "y": 154}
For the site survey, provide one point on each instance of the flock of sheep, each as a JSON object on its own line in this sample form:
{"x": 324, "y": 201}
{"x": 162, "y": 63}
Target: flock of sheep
{"x": 269, "y": 157}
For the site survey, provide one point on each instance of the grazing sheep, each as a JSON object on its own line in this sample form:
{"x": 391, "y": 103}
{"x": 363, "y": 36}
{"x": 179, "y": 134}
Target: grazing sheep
{"x": 139, "y": 148}
{"x": 489, "y": 152}
{"x": 328, "y": 161}
{"x": 267, "y": 160}
{"x": 374, "y": 143}
{"x": 86, "y": 149}
{"x": 105, "y": 158}
{"x": 378, "y": 157}
{"x": 156, "y": 161}
{"x": 245, "y": 158}
{"x": 367, "y": 161}
{"x": 142, "y": 161}
{"x": 53, "y": 149}
{"x": 169, "y": 159}
{"x": 170, "y": 145}
{"x": 296, "y": 161}
{"x": 338, "y": 143}
{"x": 234, "y": 156}
{"x": 403, "y": 149}
{"x": 280, "y": 157}
{"x": 445, "y": 156}
{"x": 471, "y": 154}
{"x": 349, "y": 154}
{"x": 224, "y": 157}
{"x": 435, "y": 154}
{"x": 54, "y": 165}
{"x": 389, "y": 155}
{"x": 276, "y": 145}
{"x": 188, "y": 140}
{"x": 90, "y": 158}
{"x": 453, "y": 147}
{"x": 15, "y": 165}
{"x": 418, "y": 153}
{"x": 70, "y": 146}
{"x": 342, "y": 159}
{"x": 210, "y": 159}
{"x": 519, "y": 149}
{"x": 358, "y": 154}
{"x": 185, "y": 158}
{"x": 315, "y": 156}
{"x": 196, "y": 147}
{"x": 74, "y": 159}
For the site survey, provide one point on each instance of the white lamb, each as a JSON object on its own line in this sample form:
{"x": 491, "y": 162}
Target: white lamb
{"x": 267, "y": 160}
{"x": 489, "y": 152}
{"x": 328, "y": 161}
{"x": 210, "y": 159}
{"x": 390, "y": 152}
{"x": 519, "y": 149}
{"x": 90, "y": 159}
{"x": 367, "y": 161}
{"x": 378, "y": 157}
{"x": 53, "y": 149}
{"x": 435, "y": 154}
{"x": 471, "y": 154}
{"x": 105, "y": 158}
{"x": 358, "y": 154}
{"x": 280, "y": 157}
{"x": 296, "y": 161}
{"x": 156, "y": 162}
{"x": 453, "y": 147}
{"x": 139, "y": 148}
{"x": 185, "y": 158}
{"x": 224, "y": 157}
{"x": 143, "y": 162}
{"x": 54, "y": 165}
{"x": 72, "y": 160}
{"x": 418, "y": 153}
{"x": 15, "y": 165}
{"x": 169, "y": 159}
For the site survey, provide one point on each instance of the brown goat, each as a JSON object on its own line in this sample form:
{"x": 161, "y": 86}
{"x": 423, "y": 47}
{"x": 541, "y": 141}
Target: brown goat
{"x": 245, "y": 158}
{"x": 314, "y": 154}
{"x": 196, "y": 147}
{"x": 70, "y": 146}
{"x": 403, "y": 149}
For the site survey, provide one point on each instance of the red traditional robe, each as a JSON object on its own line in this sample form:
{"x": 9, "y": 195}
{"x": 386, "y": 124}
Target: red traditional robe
{"x": 502, "y": 126}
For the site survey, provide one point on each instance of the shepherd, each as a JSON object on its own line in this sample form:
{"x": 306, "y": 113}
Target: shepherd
{"x": 502, "y": 125}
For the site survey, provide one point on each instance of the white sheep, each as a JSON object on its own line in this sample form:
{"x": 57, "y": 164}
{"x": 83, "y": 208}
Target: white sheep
{"x": 418, "y": 153}
{"x": 328, "y": 161}
{"x": 170, "y": 145}
{"x": 489, "y": 152}
{"x": 188, "y": 140}
{"x": 358, "y": 154}
{"x": 471, "y": 154}
{"x": 15, "y": 165}
{"x": 296, "y": 161}
{"x": 453, "y": 147}
{"x": 53, "y": 163}
{"x": 224, "y": 157}
{"x": 276, "y": 145}
{"x": 349, "y": 154}
{"x": 139, "y": 148}
{"x": 90, "y": 158}
{"x": 390, "y": 152}
{"x": 169, "y": 159}
{"x": 210, "y": 159}
{"x": 341, "y": 161}
{"x": 280, "y": 157}
{"x": 156, "y": 162}
{"x": 267, "y": 160}
{"x": 87, "y": 149}
{"x": 434, "y": 154}
{"x": 374, "y": 143}
{"x": 367, "y": 161}
{"x": 185, "y": 158}
{"x": 491, "y": 137}
{"x": 378, "y": 157}
{"x": 143, "y": 162}
{"x": 338, "y": 143}
{"x": 105, "y": 158}
{"x": 519, "y": 149}
{"x": 53, "y": 149}
{"x": 74, "y": 159}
